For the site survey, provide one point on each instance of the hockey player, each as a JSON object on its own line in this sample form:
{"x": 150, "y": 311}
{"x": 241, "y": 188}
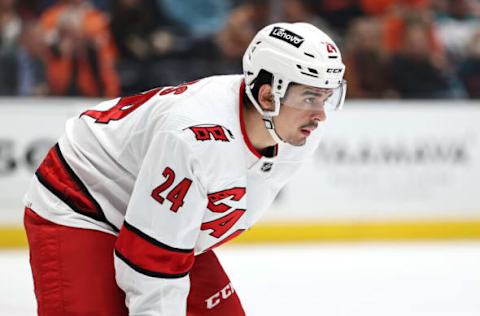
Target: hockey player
{"x": 124, "y": 211}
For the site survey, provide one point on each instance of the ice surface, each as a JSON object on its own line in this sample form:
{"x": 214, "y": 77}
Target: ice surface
{"x": 364, "y": 279}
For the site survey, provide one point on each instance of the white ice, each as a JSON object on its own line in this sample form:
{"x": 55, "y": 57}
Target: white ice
{"x": 358, "y": 279}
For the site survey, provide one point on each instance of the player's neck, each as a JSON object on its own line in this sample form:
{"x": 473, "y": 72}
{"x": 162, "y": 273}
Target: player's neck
{"x": 255, "y": 128}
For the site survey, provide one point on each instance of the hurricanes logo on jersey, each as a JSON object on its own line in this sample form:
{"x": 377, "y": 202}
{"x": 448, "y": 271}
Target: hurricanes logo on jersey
{"x": 205, "y": 132}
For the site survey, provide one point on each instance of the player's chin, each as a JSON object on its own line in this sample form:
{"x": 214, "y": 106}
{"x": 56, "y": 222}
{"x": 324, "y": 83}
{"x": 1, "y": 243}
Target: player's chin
{"x": 299, "y": 141}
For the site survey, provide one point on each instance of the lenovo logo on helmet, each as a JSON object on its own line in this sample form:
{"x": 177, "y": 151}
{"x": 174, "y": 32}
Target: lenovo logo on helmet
{"x": 287, "y": 36}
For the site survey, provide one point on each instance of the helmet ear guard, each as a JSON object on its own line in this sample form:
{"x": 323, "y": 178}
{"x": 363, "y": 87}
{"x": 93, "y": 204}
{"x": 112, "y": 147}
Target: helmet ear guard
{"x": 279, "y": 88}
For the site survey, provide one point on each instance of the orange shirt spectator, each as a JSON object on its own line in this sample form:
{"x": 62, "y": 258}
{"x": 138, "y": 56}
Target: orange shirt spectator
{"x": 81, "y": 59}
{"x": 399, "y": 13}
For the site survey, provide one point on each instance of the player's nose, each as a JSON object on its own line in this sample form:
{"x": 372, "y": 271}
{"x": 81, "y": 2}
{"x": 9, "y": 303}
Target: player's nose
{"x": 319, "y": 115}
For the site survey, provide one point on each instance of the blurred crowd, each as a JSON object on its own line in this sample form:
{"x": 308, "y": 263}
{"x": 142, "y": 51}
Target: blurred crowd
{"x": 106, "y": 48}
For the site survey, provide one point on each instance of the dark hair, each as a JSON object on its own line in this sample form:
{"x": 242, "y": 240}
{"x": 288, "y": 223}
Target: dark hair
{"x": 264, "y": 77}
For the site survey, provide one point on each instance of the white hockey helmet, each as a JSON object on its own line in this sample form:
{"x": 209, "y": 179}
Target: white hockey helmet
{"x": 294, "y": 53}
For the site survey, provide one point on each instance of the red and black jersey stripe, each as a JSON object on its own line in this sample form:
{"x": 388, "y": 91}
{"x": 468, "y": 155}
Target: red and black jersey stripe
{"x": 57, "y": 176}
{"x": 148, "y": 256}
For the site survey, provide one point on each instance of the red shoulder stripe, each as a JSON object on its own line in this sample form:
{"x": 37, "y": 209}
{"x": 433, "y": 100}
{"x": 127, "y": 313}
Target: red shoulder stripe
{"x": 57, "y": 176}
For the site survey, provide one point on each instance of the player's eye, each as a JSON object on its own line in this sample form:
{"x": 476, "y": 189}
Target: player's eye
{"x": 310, "y": 100}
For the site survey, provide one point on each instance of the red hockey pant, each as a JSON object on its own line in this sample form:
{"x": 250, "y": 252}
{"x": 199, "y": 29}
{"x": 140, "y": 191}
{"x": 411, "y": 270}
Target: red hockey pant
{"x": 73, "y": 274}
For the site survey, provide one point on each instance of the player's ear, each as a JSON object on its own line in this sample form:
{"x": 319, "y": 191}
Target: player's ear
{"x": 265, "y": 97}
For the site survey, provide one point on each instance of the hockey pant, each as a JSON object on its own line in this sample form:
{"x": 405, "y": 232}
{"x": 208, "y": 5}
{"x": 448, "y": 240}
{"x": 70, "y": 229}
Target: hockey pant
{"x": 73, "y": 274}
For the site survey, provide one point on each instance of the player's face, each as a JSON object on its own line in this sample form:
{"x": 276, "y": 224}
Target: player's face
{"x": 301, "y": 111}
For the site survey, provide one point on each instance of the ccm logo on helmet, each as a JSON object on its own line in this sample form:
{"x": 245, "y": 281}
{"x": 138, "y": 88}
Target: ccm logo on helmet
{"x": 287, "y": 36}
{"x": 334, "y": 70}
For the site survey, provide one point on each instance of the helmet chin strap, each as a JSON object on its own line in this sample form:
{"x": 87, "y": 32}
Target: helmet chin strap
{"x": 267, "y": 118}
{"x": 270, "y": 126}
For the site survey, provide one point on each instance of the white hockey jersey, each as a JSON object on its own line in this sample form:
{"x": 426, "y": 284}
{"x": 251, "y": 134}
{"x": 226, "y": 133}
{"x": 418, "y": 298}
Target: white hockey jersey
{"x": 171, "y": 172}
